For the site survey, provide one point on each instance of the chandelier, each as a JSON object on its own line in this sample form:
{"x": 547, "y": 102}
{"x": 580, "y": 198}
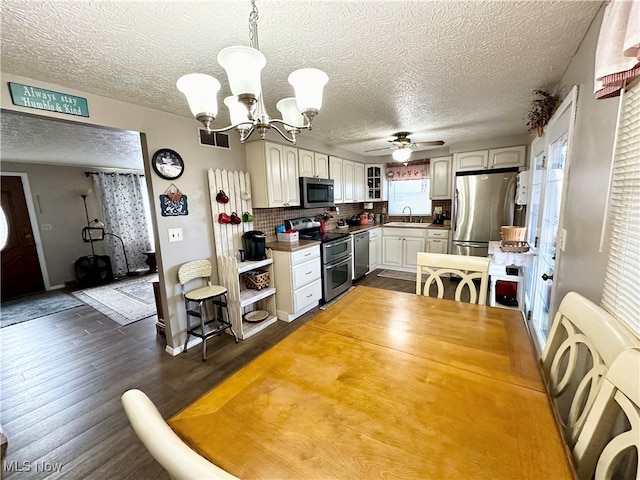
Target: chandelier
{"x": 246, "y": 106}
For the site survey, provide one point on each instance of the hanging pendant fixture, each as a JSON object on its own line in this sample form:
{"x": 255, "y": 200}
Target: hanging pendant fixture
{"x": 246, "y": 106}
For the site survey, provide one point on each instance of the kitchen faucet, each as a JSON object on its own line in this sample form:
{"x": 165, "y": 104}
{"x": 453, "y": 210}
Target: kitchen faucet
{"x": 410, "y": 215}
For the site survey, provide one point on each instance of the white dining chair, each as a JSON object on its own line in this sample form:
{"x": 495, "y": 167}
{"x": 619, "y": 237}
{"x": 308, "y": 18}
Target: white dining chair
{"x": 180, "y": 461}
{"x": 583, "y": 342}
{"x": 466, "y": 267}
{"x": 607, "y": 447}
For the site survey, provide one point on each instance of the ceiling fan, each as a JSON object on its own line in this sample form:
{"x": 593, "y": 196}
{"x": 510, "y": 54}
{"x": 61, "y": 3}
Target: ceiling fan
{"x": 403, "y": 146}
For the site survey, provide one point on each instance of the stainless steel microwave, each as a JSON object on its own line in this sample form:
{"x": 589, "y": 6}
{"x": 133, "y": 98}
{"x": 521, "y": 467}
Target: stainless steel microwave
{"x": 316, "y": 192}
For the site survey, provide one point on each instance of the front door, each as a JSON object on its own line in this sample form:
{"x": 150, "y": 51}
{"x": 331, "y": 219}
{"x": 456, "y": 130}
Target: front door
{"x": 20, "y": 266}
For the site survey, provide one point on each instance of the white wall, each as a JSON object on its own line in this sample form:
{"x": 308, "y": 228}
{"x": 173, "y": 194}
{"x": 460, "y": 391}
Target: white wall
{"x": 163, "y": 130}
{"x": 581, "y": 267}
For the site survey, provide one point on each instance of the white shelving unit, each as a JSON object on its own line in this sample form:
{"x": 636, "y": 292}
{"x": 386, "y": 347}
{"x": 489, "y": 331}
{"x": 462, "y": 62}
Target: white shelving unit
{"x": 228, "y": 239}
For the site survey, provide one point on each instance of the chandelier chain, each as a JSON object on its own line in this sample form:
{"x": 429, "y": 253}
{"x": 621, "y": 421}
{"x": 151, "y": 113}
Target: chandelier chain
{"x": 253, "y": 26}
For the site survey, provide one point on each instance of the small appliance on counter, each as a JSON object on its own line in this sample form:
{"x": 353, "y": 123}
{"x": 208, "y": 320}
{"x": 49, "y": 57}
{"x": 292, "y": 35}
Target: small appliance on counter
{"x": 354, "y": 221}
{"x": 254, "y": 242}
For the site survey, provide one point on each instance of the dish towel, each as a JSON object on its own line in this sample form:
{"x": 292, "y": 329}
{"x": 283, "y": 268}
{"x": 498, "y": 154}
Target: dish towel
{"x": 618, "y": 49}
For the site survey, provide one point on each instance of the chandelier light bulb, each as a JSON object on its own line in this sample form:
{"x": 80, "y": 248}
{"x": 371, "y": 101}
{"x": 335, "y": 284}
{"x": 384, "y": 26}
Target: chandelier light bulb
{"x": 243, "y": 66}
{"x": 201, "y": 91}
{"x": 401, "y": 154}
{"x": 308, "y": 84}
{"x": 290, "y": 113}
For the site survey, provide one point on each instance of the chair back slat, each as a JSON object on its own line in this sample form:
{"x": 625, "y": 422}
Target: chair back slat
{"x": 436, "y": 265}
{"x": 603, "y": 446}
{"x": 583, "y": 341}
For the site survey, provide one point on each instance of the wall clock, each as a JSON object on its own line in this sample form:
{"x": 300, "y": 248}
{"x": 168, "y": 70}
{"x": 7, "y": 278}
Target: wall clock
{"x": 167, "y": 164}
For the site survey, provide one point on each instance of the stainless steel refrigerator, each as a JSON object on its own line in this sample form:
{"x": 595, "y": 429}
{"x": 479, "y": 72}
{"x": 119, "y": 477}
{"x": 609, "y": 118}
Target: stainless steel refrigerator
{"x": 483, "y": 202}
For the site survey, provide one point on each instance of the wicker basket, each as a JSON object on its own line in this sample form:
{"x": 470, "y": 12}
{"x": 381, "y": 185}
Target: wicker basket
{"x": 513, "y": 234}
{"x": 256, "y": 279}
{"x": 514, "y": 247}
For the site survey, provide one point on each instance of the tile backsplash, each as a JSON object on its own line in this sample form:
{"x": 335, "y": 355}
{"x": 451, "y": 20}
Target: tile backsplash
{"x": 267, "y": 219}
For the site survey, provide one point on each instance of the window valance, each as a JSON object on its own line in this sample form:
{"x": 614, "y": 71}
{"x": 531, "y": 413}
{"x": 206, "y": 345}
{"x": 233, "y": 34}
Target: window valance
{"x": 411, "y": 171}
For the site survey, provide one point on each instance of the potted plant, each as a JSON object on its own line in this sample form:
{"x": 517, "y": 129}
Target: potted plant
{"x": 541, "y": 110}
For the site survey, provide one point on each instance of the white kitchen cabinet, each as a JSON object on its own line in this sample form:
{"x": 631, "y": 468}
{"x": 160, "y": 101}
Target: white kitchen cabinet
{"x": 375, "y": 182}
{"x": 375, "y": 240}
{"x": 437, "y": 241}
{"x": 440, "y": 182}
{"x": 400, "y": 247}
{"x": 335, "y": 173}
{"x": 348, "y": 181}
{"x": 298, "y": 281}
{"x": 471, "y": 160}
{"x": 313, "y": 164}
{"x": 358, "y": 182}
{"x": 507, "y": 157}
{"x": 274, "y": 174}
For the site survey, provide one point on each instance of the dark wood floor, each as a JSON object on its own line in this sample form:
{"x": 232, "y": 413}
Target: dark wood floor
{"x": 62, "y": 377}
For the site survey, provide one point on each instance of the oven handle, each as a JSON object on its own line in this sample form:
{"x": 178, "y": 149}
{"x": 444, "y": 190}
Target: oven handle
{"x": 338, "y": 264}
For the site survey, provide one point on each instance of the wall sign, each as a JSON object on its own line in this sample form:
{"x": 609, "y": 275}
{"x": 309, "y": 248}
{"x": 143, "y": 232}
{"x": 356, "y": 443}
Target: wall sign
{"x": 41, "y": 99}
{"x": 169, "y": 208}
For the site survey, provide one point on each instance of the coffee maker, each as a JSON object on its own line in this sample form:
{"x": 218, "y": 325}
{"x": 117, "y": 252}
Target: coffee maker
{"x": 254, "y": 242}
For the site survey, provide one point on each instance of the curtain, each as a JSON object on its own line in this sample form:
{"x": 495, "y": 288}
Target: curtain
{"x": 618, "y": 49}
{"x": 124, "y": 216}
{"x": 411, "y": 171}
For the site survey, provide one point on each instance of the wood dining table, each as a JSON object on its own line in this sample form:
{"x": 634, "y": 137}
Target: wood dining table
{"x": 385, "y": 384}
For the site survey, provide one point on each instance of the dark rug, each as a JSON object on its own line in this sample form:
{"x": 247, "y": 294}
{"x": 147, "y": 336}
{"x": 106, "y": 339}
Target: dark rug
{"x": 35, "y": 306}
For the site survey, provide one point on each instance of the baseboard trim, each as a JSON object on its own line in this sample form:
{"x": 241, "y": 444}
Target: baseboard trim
{"x": 178, "y": 350}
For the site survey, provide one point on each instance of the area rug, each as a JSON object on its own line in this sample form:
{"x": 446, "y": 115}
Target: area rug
{"x": 125, "y": 301}
{"x": 35, "y": 306}
{"x": 398, "y": 275}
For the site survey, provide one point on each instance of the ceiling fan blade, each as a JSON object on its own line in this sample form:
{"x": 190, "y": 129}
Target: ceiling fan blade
{"x": 435, "y": 143}
{"x": 376, "y": 149}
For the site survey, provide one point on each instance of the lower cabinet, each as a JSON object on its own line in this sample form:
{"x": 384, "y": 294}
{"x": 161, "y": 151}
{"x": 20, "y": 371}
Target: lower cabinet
{"x": 374, "y": 248}
{"x": 298, "y": 281}
{"x": 438, "y": 241}
{"x": 400, "y": 247}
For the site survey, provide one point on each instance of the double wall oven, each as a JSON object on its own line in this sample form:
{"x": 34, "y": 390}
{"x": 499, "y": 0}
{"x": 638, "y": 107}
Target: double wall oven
{"x": 336, "y": 255}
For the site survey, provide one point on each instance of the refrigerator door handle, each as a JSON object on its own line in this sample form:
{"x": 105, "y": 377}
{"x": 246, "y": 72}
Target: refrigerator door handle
{"x": 470, "y": 244}
{"x": 455, "y": 210}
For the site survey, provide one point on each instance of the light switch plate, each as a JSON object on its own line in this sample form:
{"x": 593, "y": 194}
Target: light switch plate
{"x": 175, "y": 235}
{"x": 563, "y": 239}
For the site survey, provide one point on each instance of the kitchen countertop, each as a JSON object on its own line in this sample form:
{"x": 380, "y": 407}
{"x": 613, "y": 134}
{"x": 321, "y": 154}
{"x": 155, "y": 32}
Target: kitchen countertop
{"x": 369, "y": 226}
{"x": 292, "y": 246}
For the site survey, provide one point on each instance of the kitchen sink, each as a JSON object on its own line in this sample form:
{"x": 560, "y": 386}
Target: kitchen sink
{"x": 407, "y": 224}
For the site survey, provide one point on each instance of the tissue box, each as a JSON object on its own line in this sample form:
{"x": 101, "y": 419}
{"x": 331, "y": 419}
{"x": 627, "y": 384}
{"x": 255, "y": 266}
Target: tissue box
{"x": 291, "y": 237}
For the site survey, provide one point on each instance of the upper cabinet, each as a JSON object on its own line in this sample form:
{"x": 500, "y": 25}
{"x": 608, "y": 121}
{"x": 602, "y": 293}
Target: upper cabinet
{"x": 358, "y": 182}
{"x": 348, "y": 181}
{"x": 313, "y": 164}
{"x": 440, "y": 183}
{"x": 335, "y": 173}
{"x": 274, "y": 174}
{"x": 374, "y": 183}
{"x": 494, "y": 158}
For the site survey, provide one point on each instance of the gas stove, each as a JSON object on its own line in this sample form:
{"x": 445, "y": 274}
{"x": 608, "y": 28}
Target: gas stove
{"x": 309, "y": 229}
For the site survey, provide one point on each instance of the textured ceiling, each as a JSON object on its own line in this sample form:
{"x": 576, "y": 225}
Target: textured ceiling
{"x": 444, "y": 70}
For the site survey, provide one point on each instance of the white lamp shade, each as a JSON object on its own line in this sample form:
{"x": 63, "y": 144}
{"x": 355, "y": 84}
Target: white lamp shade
{"x": 243, "y": 66}
{"x": 201, "y": 91}
{"x": 401, "y": 154}
{"x": 237, "y": 111}
{"x": 290, "y": 113}
{"x": 308, "y": 84}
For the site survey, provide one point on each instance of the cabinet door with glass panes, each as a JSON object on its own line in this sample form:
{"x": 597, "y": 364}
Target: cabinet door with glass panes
{"x": 375, "y": 183}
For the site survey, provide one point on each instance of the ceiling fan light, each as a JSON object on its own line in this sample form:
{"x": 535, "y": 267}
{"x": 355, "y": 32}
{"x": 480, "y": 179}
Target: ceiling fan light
{"x": 401, "y": 154}
{"x": 238, "y": 112}
{"x": 308, "y": 84}
{"x": 290, "y": 113}
{"x": 243, "y": 66}
{"x": 201, "y": 91}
